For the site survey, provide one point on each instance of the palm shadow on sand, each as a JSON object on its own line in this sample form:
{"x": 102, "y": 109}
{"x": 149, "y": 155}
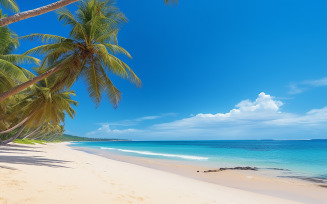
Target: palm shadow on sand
{"x": 27, "y": 160}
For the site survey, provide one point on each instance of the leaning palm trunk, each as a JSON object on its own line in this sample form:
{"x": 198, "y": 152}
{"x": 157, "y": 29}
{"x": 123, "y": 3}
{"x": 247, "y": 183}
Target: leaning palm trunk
{"x": 52, "y": 138}
{"x": 39, "y": 136}
{"x": 43, "y": 137}
{"x": 19, "y": 124}
{"x": 16, "y": 126}
{"x": 25, "y": 85}
{"x": 13, "y": 137}
{"x": 33, "y": 132}
{"x": 38, "y": 11}
{"x": 31, "y": 135}
{"x": 35, "y": 12}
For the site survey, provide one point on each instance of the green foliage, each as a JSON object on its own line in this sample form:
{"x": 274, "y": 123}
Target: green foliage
{"x": 9, "y": 68}
{"x": 63, "y": 138}
{"x": 51, "y": 106}
{"x": 11, "y": 73}
{"x": 89, "y": 52}
{"x": 71, "y": 138}
{"x": 29, "y": 141}
{"x": 39, "y": 141}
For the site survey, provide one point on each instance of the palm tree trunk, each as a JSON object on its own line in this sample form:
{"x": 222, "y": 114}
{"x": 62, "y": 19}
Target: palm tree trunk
{"x": 32, "y": 132}
{"x": 37, "y": 137}
{"x": 16, "y": 126}
{"x": 13, "y": 137}
{"x": 43, "y": 137}
{"x": 25, "y": 85}
{"x": 35, "y": 12}
{"x": 52, "y": 138}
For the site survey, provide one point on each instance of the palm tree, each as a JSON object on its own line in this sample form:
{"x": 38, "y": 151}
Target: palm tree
{"x": 33, "y": 132}
{"x": 47, "y": 106}
{"x": 44, "y": 107}
{"x": 89, "y": 52}
{"x": 38, "y": 11}
{"x": 58, "y": 131}
{"x": 46, "y": 129}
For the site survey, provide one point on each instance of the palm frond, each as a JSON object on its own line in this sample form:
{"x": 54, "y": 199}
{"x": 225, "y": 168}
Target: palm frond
{"x": 95, "y": 82}
{"x": 10, "y": 4}
{"x": 78, "y": 31}
{"x": 44, "y": 49}
{"x": 27, "y": 73}
{"x": 113, "y": 94}
{"x": 115, "y": 49}
{"x": 117, "y": 66}
{"x": 8, "y": 40}
{"x": 44, "y": 38}
{"x": 110, "y": 36}
{"x": 12, "y": 71}
{"x": 19, "y": 59}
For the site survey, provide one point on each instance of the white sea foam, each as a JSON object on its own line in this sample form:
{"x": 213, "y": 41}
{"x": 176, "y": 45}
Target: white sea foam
{"x": 292, "y": 139}
{"x": 159, "y": 154}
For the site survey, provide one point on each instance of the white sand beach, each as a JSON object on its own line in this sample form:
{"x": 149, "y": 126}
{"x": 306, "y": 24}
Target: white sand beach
{"x": 56, "y": 173}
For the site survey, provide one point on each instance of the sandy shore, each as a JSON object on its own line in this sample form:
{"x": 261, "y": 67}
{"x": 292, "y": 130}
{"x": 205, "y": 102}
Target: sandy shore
{"x": 56, "y": 173}
{"x": 264, "y": 181}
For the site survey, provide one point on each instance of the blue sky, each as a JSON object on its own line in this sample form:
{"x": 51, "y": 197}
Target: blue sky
{"x": 210, "y": 70}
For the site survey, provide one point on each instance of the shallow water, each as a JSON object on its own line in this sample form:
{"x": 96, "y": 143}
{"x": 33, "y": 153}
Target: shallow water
{"x": 302, "y": 158}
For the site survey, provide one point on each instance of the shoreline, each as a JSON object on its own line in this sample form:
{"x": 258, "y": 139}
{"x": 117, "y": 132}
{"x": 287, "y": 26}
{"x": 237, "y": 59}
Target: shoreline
{"x": 275, "y": 172}
{"x": 263, "y": 181}
{"x": 57, "y": 173}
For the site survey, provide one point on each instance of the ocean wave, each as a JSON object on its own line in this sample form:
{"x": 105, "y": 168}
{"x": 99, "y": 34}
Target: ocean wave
{"x": 190, "y": 157}
{"x": 292, "y": 139}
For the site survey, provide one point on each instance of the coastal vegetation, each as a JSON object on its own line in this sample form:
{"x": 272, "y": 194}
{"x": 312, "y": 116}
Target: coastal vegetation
{"x": 62, "y": 138}
{"x": 71, "y": 138}
{"x": 33, "y": 105}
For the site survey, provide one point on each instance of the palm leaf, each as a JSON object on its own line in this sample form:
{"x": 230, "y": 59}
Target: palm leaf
{"x": 10, "y": 4}
{"x": 44, "y": 38}
{"x": 113, "y": 94}
{"x": 18, "y": 59}
{"x": 12, "y": 71}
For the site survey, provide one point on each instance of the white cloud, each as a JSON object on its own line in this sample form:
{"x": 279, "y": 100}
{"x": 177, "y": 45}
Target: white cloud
{"x": 264, "y": 104}
{"x": 296, "y": 88}
{"x": 105, "y": 131}
{"x": 258, "y": 119}
{"x": 313, "y": 118}
{"x": 137, "y": 121}
{"x": 262, "y": 109}
{"x": 317, "y": 83}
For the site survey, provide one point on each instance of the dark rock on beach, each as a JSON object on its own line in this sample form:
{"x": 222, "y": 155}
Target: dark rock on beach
{"x": 235, "y": 168}
{"x": 278, "y": 169}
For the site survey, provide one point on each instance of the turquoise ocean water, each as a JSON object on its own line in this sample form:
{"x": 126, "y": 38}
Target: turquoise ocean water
{"x": 303, "y": 158}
